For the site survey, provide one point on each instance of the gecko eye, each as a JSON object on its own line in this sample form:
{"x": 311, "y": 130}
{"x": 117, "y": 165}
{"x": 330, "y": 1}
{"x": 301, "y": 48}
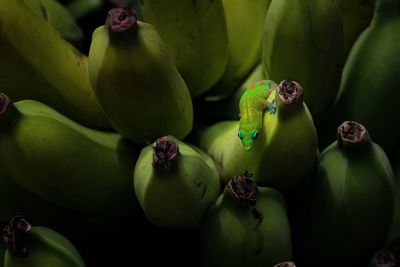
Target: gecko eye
{"x": 239, "y": 135}
{"x": 255, "y": 135}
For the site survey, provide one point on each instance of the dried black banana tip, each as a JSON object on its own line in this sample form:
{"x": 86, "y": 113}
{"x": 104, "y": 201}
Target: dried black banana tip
{"x": 289, "y": 91}
{"x": 121, "y": 19}
{"x": 285, "y": 264}
{"x": 384, "y": 258}
{"x": 351, "y": 132}
{"x": 4, "y": 103}
{"x": 13, "y": 235}
{"x": 165, "y": 154}
{"x": 243, "y": 188}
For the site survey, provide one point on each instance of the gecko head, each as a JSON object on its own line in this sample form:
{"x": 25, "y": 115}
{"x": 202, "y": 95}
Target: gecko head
{"x": 248, "y": 137}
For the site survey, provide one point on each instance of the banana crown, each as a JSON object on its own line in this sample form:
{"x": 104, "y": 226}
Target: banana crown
{"x": 121, "y": 19}
{"x": 165, "y": 154}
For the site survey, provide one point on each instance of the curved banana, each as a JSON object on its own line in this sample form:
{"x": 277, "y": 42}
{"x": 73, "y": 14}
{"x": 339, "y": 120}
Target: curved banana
{"x": 66, "y": 163}
{"x": 59, "y": 18}
{"x": 175, "y": 183}
{"x": 36, "y": 63}
{"x": 135, "y": 80}
{"x": 370, "y": 80}
{"x": 288, "y": 135}
{"x": 246, "y": 226}
{"x": 303, "y": 41}
{"x": 245, "y": 26}
{"x": 350, "y": 195}
{"x": 195, "y": 34}
{"x": 37, "y": 246}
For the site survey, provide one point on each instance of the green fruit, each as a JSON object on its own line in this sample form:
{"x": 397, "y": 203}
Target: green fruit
{"x": 245, "y": 26}
{"x": 36, "y": 63}
{"x": 288, "y": 136}
{"x": 37, "y": 246}
{"x": 196, "y": 35}
{"x": 135, "y": 80}
{"x": 59, "y": 18}
{"x": 350, "y": 207}
{"x": 356, "y": 16}
{"x": 370, "y": 80}
{"x": 303, "y": 41}
{"x": 66, "y": 163}
{"x": 246, "y": 226}
{"x": 175, "y": 183}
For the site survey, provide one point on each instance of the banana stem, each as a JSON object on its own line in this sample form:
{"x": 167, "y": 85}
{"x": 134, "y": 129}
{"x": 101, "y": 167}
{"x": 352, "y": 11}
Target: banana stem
{"x": 121, "y": 19}
{"x": 289, "y": 97}
{"x": 353, "y": 136}
{"x": 13, "y": 235}
{"x": 165, "y": 154}
{"x": 285, "y": 264}
{"x": 383, "y": 258}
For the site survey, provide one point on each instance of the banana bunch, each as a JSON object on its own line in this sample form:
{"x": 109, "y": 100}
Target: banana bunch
{"x": 175, "y": 183}
{"x": 59, "y": 18}
{"x": 246, "y": 226}
{"x": 350, "y": 206}
{"x": 37, "y": 246}
{"x": 135, "y": 80}
{"x": 245, "y": 27}
{"x": 36, "y": 63}
{"x": 370, "y": 83}
{"x": 303, "y": 41}
{"x": 65, "y": 163}
{"x": 356, "y": 16}
{"x": 275, "y": 144}
{"x": 195, "y": 33}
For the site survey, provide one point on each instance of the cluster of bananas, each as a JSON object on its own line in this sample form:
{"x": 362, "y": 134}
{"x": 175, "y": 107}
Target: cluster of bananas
{"x": 128, "y": 130}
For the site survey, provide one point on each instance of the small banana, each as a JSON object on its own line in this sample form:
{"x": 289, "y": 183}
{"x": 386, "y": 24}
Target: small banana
{"x": 303, "y": 41}
{"x": 136, "y": 81}
{"x": 246, "y": 226}
{"x": 65, "y": 163}
{"x": 349, "y": 209}
{"x": 175, "y": 183}
{"x": 36, "y": 63}
{"x": 37, "y": 246}
{"x": 195, "y": 33}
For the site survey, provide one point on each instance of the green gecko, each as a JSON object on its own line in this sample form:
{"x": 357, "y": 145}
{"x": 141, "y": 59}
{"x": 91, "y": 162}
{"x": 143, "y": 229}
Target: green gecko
{"x": 252, "y": 105}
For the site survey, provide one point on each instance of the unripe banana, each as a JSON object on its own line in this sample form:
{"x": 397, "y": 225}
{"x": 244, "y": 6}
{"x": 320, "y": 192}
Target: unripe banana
{"x": 383, "y": 258}
{"x": 36, "y": 63}
{"x": 288, "y": 136}
{"x": 350, "y": 206}
{"x": 195, "y": 33}
{"x": 136, "y": 81}
{"x": 59, "y": 18}
{"x": 66, "y": 163}
{"x": 356, "y": 16}
{"x": 245, "y": 26}
{"x": 175, "y": 183}
{"x": 303, "y": 41}
{"x": 370, "y": 80}
{"x": 246, "y": 226}
{"x": 37, "y": 246}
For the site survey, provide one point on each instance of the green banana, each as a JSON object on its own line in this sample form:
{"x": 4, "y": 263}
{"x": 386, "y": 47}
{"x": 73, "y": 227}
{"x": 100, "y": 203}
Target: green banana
{"x": 135, "y": 80}
{"x": 350, "y": 206}
{"x": 59, "y": 18}
{"x": 303, "y": 41}
{"x": 195, "y": 33}
{"x": 73, "y": 166}
{"x": 276, "y": 143}
{"x": 37, "y": 246}
{"x": 383, "y": 258}
{"x": 36, "y": 63}
{"x": 370, "y": 80}
{"x": 245, "y": 23}
{"x": 175, "y": 183}
{"x": 246, "y": 226}
{"x": 356, "y": 16}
